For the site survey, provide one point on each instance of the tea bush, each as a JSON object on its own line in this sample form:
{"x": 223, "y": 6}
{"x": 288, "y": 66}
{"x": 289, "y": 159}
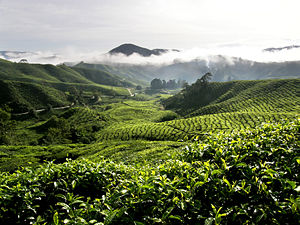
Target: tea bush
{"x": 246, "y": 177}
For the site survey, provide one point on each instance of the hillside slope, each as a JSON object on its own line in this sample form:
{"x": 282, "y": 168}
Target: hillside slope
{"x": 102, "y": 77}
{"x": 61, "y": 73}
{"x": 237, "y": 96}
{"x": 25, "y": 86}
{"x": 137, "y": 74}
{"x": 217, "y": 106}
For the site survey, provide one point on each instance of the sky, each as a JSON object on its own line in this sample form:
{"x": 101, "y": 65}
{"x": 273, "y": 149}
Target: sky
{"x": 67, "y": 26}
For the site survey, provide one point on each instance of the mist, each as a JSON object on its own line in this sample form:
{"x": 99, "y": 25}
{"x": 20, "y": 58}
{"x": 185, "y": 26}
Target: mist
{"x": 229, "y": 52}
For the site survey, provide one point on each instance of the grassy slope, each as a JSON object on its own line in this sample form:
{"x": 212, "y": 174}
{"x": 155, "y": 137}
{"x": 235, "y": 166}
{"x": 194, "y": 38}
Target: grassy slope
{"x": 21, "y": 96}
{"x": 134, "y": 73}
{"x": 102, "y": 77}
{"x": 33, "y": 85}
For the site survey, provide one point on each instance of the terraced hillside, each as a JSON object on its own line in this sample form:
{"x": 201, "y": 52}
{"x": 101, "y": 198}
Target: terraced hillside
{"x": 247, "y": 177}
{"x": 224, "y": 106}
{"x": 237, "y": 96}
{"x": 126, "y": 129}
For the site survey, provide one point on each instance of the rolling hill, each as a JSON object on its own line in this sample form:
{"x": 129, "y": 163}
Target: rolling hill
{"x": 25, "y": 86}
{"x": 217, "y": 106}
{"x": 244, "y": 96}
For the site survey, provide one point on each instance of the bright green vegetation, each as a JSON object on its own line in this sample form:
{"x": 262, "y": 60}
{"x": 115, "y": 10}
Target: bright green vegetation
{"x": 215, "y": 153}
{"x": 216, "y": 106}
{"x": 13, "y": 157}
{"x": 60, "y": 73}
{"x": 26, "y": 86}
{"x": 245, "y": 177}
{"x": 137, "y": 74}
{"x": 113, "y": 123}
{"x": 102, "y": 77}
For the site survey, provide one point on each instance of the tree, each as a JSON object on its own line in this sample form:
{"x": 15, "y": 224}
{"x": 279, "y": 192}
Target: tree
{"x": 164, "y": 84}
{"x": 205, "y": 78}
{"x": 156, "y": 84}
{"x": 171, "y": 84}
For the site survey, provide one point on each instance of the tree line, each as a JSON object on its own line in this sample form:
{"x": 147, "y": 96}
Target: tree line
{"x": 170, "y": 84}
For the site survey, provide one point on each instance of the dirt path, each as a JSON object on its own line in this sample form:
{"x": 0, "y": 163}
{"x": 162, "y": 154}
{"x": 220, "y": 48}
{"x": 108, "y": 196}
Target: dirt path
{"x": 42, "y": 110}
{"x": 130, "y": 92}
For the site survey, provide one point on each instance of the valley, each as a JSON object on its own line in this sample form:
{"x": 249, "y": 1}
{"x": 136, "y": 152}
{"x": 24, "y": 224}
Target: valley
{"x": 183, "y": 156}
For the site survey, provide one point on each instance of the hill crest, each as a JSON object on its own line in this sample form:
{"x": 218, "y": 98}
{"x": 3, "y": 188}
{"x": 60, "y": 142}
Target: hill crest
{"x": 129, "y": 49}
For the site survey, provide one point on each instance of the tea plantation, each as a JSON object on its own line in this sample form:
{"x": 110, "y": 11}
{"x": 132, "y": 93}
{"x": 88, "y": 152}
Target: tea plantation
{"x": 247, "y": 177}
{"x": 214, "y": 153}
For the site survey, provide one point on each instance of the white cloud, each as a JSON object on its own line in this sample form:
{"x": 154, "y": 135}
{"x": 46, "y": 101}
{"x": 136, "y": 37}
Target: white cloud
{"x": 250, "y": 52}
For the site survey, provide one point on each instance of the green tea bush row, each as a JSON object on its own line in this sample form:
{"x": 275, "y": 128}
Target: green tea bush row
{"x": 187, "y": 128}
{"x": 247, "y": 177}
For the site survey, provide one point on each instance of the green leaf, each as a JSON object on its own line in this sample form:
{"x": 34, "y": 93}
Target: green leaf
{"x": 167, "y": 213}
{"x": 175, "y": 217}
{"x": 55, "y": 218}
{"x": 73, "y": 184}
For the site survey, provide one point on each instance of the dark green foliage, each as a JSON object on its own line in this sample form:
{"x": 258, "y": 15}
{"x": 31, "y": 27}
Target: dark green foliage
{"x": 76, "y": 125}
{"x": 58, "y": 131}
{"x": 248, "y": 177}
{"x": 156, "y": 84}
{"x": 21, "y": 96}
{"x": 170, "y": 84}
{"x": 7, "y": 127}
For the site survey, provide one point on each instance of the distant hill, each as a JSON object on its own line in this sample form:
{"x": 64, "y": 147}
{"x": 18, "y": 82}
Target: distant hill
{"x": 129, "y": 49}
{"x": 25, "y": 86}
{"x": 137, "y": 74}
{"x": 281, "y": 48}
{"x": 61, "y": 73}
{"x": 222, "y": 68}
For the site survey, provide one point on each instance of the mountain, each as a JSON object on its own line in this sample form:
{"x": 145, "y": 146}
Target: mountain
{"x": 222, "y": 68}
{"x": 129, "y": 49}
{"x": 226, "y": 69}
{"x": 281, "y": 48}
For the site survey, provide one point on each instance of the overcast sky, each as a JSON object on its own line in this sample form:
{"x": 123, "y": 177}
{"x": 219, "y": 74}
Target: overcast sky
{"x": 89, "y": 25}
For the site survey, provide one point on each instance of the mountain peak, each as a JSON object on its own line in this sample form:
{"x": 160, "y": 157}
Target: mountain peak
{"x": 129, "y": 49}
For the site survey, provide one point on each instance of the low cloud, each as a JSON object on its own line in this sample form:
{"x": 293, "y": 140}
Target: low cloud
{"x": 230, "y": 53}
